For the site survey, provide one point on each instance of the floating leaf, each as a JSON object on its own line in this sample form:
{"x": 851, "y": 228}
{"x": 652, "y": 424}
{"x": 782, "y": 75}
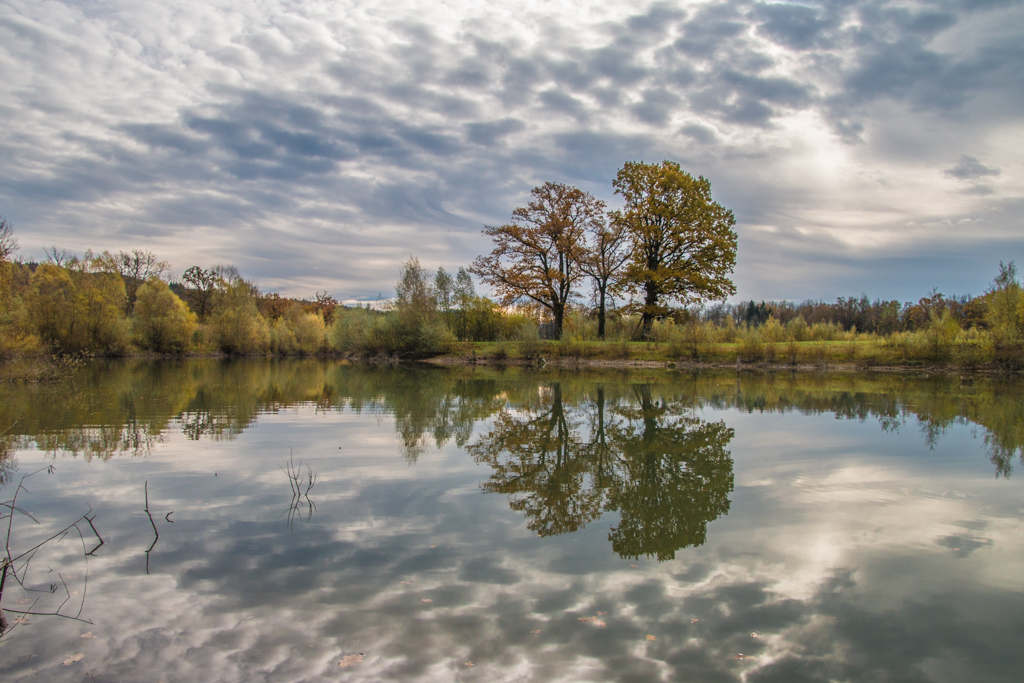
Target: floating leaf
{"x": 88, "y": 634}
{"x": 602, "y": 614}
{"x": 755, "y": 634}
{"x": 537, "y": 631}
{"x": 351, "y": 660}
{"x": 469, "y": 663}
{"x": 652, "y": 637}
{"x": 433, "y": 546}
{"x": 74, "y": 592}
{"x": 24, "y": 600}
{"x": 407, "y": 582}
{"x": 634, "y": 565}
{"x": 740, "y": 656}
{"x": 21, "y": 620}
{"x": 694, "y": 621}
{"x": 73, "y": 658}
{"x": 593, "y": 620}
{"x": 428, "y": 600}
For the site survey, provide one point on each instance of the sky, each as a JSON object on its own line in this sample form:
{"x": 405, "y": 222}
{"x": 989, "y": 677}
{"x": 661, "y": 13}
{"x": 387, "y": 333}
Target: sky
{"x": 865, "y": 146}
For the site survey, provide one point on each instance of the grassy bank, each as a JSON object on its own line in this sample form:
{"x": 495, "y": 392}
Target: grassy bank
{"x": 894, "y": 352}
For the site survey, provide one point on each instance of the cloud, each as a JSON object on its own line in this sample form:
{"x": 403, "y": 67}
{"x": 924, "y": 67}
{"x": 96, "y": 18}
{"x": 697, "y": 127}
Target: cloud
{"x": 969, "y": 168}
{"x": 261, "y": 127}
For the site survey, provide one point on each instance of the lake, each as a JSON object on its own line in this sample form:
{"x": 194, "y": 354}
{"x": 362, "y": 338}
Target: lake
{"x": 481, "y": 524}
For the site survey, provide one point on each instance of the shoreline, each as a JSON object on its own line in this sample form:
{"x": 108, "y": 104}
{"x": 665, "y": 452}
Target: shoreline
{"x": 569, "y": 363}
{"x": 39, "y": 363}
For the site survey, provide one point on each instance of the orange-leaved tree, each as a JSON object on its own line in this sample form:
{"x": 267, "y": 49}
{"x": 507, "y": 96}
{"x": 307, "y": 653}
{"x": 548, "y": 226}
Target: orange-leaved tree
{"x": 537, "y": 256}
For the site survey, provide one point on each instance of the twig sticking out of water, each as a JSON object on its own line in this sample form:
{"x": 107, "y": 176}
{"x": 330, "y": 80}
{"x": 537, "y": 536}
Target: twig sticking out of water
{"x": 301, "y": 484}
{"x": 156, "y": 534}
{"x": 16, "y": 566}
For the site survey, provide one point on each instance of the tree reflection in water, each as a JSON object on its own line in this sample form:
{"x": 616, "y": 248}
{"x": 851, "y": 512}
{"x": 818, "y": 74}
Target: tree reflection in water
{"x": 665, "y": 470}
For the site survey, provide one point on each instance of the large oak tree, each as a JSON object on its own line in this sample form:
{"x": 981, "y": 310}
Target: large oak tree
{"x": 537, "y": 256}
{"x": 683, "y": 246}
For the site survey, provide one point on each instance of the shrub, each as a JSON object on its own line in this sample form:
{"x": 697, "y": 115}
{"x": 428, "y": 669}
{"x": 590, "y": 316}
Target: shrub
{"x": 79, "y": 312}
{"x": 236, "y": 324}
{"x": 773, "y": 331}
{"x": 162, "y": 322}
{"x": 798, "y": 330}
{"x": 298, "y": 332}
{"x": 751, "y": 349}
{"x": 369, "y": 333}
{"x": 691, "y": 340}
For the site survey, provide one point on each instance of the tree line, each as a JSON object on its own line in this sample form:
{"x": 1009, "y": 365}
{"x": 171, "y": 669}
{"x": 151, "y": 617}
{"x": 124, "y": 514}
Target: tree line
{"x": 654, "y": 268}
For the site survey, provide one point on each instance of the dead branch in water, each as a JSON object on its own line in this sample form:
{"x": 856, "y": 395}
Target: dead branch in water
{"x": 17, "y": 565}
{"x": 301, "y": 484}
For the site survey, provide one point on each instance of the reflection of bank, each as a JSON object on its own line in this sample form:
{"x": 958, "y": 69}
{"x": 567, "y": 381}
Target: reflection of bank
{"x": 666, "y": 472}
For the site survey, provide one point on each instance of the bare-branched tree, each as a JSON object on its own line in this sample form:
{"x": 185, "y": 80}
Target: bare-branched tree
{"x": 134, "y": 267}
{"x": 58, "y": 256}
{"x": 8, "y": 244}
{"x": 607, "y": 253}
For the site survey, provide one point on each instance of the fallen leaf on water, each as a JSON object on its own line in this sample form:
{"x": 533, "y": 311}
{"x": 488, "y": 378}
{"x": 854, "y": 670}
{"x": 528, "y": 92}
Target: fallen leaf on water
{"x": 755, "y": 634}
{"x": 469, "y": 663}
{"x": 351, "y": 660}
{"x": 72, "y": 576}
{"x": 694, "y": 621}
{"x": 88, "y": 634}
{"x": 433, "y": 546}
{"x": 593, "y": 620}
{"x": 602, "y": 614}
{"x": 24, "y": 600}
{"x": 426, "y": 600}
{"x": 407, "y": 582}
{"x": 73, "y": 658}
{"x": 537, "y": 631}
{"x": 740, "y": 656}
{"x": 21, "y": 620}
{"x": 652, "y": 637}
{"x": 74, "y": 592}
{"x": 634, "y": 565}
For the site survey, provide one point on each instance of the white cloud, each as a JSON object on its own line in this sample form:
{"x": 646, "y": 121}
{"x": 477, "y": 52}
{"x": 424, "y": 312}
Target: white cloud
{"x": 318, "y": 144}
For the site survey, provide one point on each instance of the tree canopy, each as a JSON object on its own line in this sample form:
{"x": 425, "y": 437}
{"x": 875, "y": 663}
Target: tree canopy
{"x": 537, "y": 256}
{"x": 683, "y": 246}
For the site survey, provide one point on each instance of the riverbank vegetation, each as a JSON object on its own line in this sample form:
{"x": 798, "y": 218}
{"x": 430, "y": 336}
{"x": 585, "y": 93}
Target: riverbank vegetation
{"x": 652, "y": 271}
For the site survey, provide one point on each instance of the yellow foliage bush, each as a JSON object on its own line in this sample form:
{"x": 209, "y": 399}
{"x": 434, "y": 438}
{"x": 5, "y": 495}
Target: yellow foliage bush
{"x": 236, "y": 324}
{"x": 162, "y": 322}
{"x": 79, "y": 312}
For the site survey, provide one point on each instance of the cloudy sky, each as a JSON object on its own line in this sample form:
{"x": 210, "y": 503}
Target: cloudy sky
{"x": 864, "y": 145}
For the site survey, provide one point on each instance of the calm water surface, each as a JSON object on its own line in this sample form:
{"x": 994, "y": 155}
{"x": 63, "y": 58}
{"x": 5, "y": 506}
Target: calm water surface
{"x": 487, "y": 525}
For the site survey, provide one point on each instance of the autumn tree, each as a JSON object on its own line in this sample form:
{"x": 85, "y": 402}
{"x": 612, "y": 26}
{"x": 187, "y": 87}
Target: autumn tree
{"x": 236, "y": 323}
{"x": 134, "y": 267}
{"x": 201, "y": 286}
{"x": 607, "y": 252}
{"x": 537, "y": 256}
{"x": 162, "y": 321}
{"x": 682, "y": 243}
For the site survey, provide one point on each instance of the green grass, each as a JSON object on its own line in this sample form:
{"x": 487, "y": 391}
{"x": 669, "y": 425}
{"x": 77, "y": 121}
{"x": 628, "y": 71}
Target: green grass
{"x": 865, "y": 352}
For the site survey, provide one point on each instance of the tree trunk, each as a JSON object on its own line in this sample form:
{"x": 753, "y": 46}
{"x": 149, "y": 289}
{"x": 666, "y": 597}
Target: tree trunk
{"x": 559, "y": 312}
{"x": 600, "y": 310}
{"x": 650, "y": 305}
